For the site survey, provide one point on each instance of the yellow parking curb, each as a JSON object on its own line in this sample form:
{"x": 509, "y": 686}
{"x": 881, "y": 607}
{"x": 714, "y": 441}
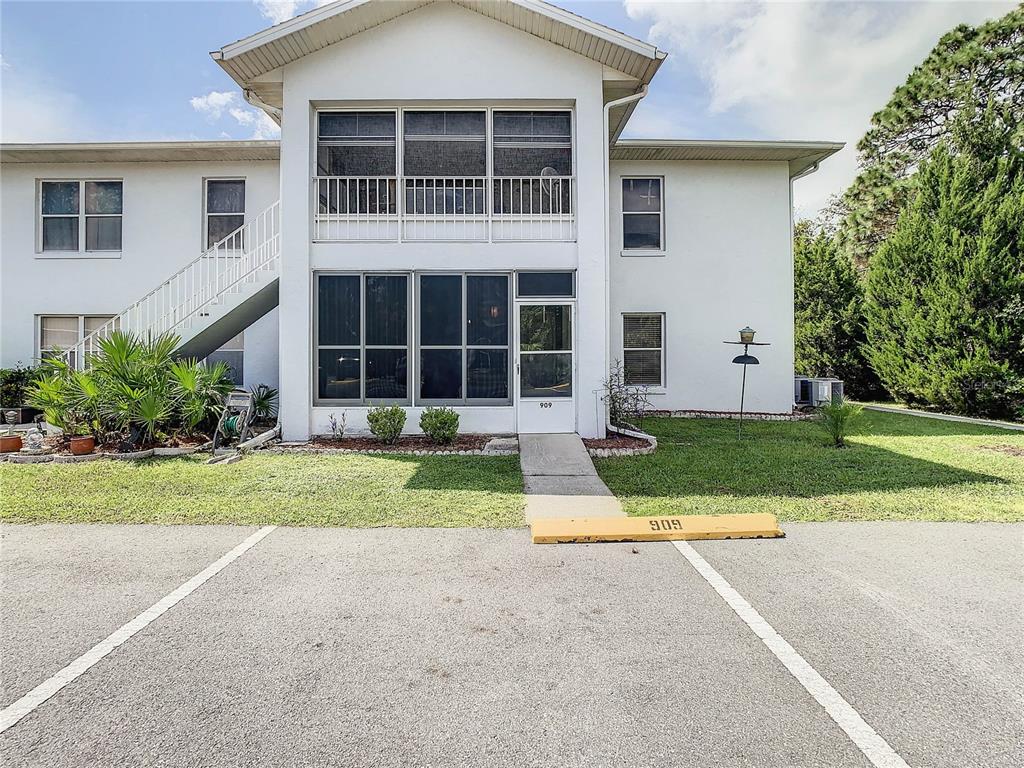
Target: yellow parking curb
{"x": 584, "y": 530}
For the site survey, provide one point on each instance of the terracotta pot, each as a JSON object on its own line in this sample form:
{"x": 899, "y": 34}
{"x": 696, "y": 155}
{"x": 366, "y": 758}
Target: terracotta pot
{"x": 10, "y": 443}
{"x": 80, "y": 446}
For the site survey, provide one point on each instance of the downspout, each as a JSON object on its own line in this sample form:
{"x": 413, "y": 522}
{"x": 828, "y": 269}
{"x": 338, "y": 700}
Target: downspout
{"x": 792, "y": 255}
{"x": 608, "y": 226}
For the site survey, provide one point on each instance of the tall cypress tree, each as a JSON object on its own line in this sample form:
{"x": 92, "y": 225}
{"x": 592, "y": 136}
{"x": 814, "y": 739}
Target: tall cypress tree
{"x": 829, "y": 313}
{"x": 945, "y": 290}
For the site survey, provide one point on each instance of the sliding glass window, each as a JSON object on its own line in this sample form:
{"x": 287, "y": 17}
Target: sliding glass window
{"x": 464, "y": 339}
{"x": 362, "y": 338}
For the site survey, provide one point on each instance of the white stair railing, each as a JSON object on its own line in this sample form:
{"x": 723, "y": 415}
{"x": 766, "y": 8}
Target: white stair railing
{"x": 239, "y": 258}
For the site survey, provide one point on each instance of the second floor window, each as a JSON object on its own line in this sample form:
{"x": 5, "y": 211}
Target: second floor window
{"x": 355, "y": 144}
{"x": 77, "y": 213}
{"x": 225, "y": 209}
{"x": 642, "y": 215}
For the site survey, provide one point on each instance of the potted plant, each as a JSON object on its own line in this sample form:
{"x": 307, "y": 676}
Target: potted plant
{"x": 10, "y": 442}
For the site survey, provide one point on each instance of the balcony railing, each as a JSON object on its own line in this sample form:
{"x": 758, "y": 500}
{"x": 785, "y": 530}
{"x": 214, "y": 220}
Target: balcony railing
{"x": 475, "y": 208}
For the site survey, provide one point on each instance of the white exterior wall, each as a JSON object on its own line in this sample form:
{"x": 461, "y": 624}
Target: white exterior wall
{"x": 446, "y": 56}
{"x": 162, "y": 230}
{"x": 728, "y": 263}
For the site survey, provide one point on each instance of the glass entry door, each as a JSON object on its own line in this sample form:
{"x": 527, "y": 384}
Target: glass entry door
{"x": 545, "y": 365}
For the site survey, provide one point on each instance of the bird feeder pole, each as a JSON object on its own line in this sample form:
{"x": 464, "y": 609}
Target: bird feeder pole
{"x": 747, "y": 340}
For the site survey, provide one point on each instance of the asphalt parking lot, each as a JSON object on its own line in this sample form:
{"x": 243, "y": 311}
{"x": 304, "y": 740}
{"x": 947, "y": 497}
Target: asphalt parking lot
{"x": 471, "y": 647}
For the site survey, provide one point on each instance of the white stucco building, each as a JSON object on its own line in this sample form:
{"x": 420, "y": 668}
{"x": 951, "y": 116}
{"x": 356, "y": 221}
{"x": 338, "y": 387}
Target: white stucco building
{"x": 456, "y": 222}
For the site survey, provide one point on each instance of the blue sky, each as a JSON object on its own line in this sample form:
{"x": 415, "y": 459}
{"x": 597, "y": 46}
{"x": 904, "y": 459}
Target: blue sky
{"x": 94, "y": 71}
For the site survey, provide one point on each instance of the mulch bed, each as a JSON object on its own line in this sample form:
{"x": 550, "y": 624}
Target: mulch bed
{"x": 615, "y": 440}
{"x": 405, "y": 444}
{"x": 60, "y": 447}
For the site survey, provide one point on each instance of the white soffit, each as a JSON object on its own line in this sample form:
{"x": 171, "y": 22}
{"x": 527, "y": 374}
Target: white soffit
{"x": 249, "y": 59}
{"x": 800, "y": 155}
{"x": 141, "y": 152}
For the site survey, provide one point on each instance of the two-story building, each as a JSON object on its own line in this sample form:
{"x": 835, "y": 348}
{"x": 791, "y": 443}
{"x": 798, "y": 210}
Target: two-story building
{"x": 450, "y": 217}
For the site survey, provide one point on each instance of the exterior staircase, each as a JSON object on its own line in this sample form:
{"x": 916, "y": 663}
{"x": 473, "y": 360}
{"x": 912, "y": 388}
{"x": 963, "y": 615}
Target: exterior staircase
{"x": 210, "y": 299}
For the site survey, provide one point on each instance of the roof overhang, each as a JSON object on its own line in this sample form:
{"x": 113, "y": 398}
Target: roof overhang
{"x": 800, "y": 155}
{"x": 141, "y": 152}
{"x": 630, "y": 63}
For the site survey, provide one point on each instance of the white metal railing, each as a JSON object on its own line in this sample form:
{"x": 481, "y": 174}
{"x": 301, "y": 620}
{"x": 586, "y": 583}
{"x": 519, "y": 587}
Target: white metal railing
{"x": 240, "y": 257}
{"x": 356, "y": 208}
{"x": 444, "y": 208}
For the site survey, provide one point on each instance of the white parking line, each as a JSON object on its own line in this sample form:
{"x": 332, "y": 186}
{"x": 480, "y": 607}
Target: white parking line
{"x": 31, "y": 700}
{"x": 874, "y": 747}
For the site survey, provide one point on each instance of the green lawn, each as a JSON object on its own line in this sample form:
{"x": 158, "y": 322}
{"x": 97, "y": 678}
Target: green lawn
{"x": 896, "y": 468}
{"x": 319, "y": 490}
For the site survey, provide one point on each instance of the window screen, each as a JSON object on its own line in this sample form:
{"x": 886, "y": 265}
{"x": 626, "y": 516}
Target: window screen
{"x": 532, "y": 143}
{"x": 362, "y": 337}
{"x": 356, "y": 144}
{"x": 642, "y": 214}
{"x": 464, "y": 337}
{"x": 545, "y": 284}
{"x": 642, "y": 349}
{"x": 445, "y": 144}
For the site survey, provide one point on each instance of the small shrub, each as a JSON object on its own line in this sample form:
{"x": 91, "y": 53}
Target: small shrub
{"x": 264, "y": 402}
{"x": 387, "y": 422}
{"x": 14, "y": 385}
{"x": 337, "y": 425}
{"x": 440, "y": 424}
{"x": 628, "y": 404}
{"x": 837, "y": 418}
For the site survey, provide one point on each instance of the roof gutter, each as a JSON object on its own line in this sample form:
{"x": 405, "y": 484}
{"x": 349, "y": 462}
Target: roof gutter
{"x": 806, "y": 171}
{"x": 256, "y": 101}
{"x": 606, "y": 147}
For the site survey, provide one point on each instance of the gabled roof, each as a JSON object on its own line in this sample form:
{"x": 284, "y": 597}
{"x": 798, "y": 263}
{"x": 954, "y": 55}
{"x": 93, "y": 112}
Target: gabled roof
{"x": 247, "y": 60}
{"x": 141, "y": 152}
{"x": 800, "y": 155}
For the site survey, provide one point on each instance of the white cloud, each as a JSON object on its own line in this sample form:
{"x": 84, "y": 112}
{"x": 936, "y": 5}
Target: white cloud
{"x": 802, "y": 70}
{"x": 277, "y": 11}
{"x": 215, "y": 105}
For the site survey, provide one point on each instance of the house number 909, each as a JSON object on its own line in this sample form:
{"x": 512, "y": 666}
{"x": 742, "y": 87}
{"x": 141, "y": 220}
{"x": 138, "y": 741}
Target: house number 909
{"x": 545, "y": 405}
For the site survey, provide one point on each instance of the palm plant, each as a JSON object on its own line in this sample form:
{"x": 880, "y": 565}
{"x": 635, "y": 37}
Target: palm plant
{"x": 837, "y": 417}
{"x": 264, "y": 402}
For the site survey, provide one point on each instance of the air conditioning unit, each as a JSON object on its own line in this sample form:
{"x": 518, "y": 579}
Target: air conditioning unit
{"x": 813, "y": 392}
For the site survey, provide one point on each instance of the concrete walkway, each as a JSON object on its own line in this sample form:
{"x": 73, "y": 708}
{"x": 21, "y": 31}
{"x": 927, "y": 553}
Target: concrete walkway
{"x": 561, "y": 481}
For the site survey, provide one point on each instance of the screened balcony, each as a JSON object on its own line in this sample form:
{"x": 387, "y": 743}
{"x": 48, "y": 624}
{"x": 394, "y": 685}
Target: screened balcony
{"x": 445, "y": 184}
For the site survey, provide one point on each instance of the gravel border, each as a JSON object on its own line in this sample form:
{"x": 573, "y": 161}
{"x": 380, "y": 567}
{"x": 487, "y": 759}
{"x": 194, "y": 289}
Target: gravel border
{"x": 611, "y": 453}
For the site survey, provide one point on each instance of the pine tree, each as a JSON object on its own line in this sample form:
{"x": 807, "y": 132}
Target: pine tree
{"x": 970, "y": 70}
{"x": 829, "y": 313}
{"x": 945, "y": 291}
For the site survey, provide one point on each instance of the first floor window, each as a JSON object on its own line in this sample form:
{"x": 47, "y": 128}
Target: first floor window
{"x": 642, "y": 214}
{"x": 362, "y": 337}
{"x": 77, "y": 213}
{"x": 59, "y": 333}
{"x": 643, "y": 349}
{"x": 225, "y": 210}
{"x": 464, "y": 337}
{"x": 232, "y": 353}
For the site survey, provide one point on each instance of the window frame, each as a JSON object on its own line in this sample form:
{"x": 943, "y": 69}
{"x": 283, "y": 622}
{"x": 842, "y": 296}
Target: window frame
{"x": 228, "y": 346}
{"x": 83, "y": 251}
{"x": 660, "y": 250}
{"x": 465, "y": 347}
{"x": 410, "y": 367}
{"x": 659, "y": 387}
{"x": 205, "y": 233}
{"x": 39, "y": 349}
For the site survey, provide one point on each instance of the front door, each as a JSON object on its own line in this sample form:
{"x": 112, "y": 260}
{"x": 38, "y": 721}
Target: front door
{"x": 545, "y": 367}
